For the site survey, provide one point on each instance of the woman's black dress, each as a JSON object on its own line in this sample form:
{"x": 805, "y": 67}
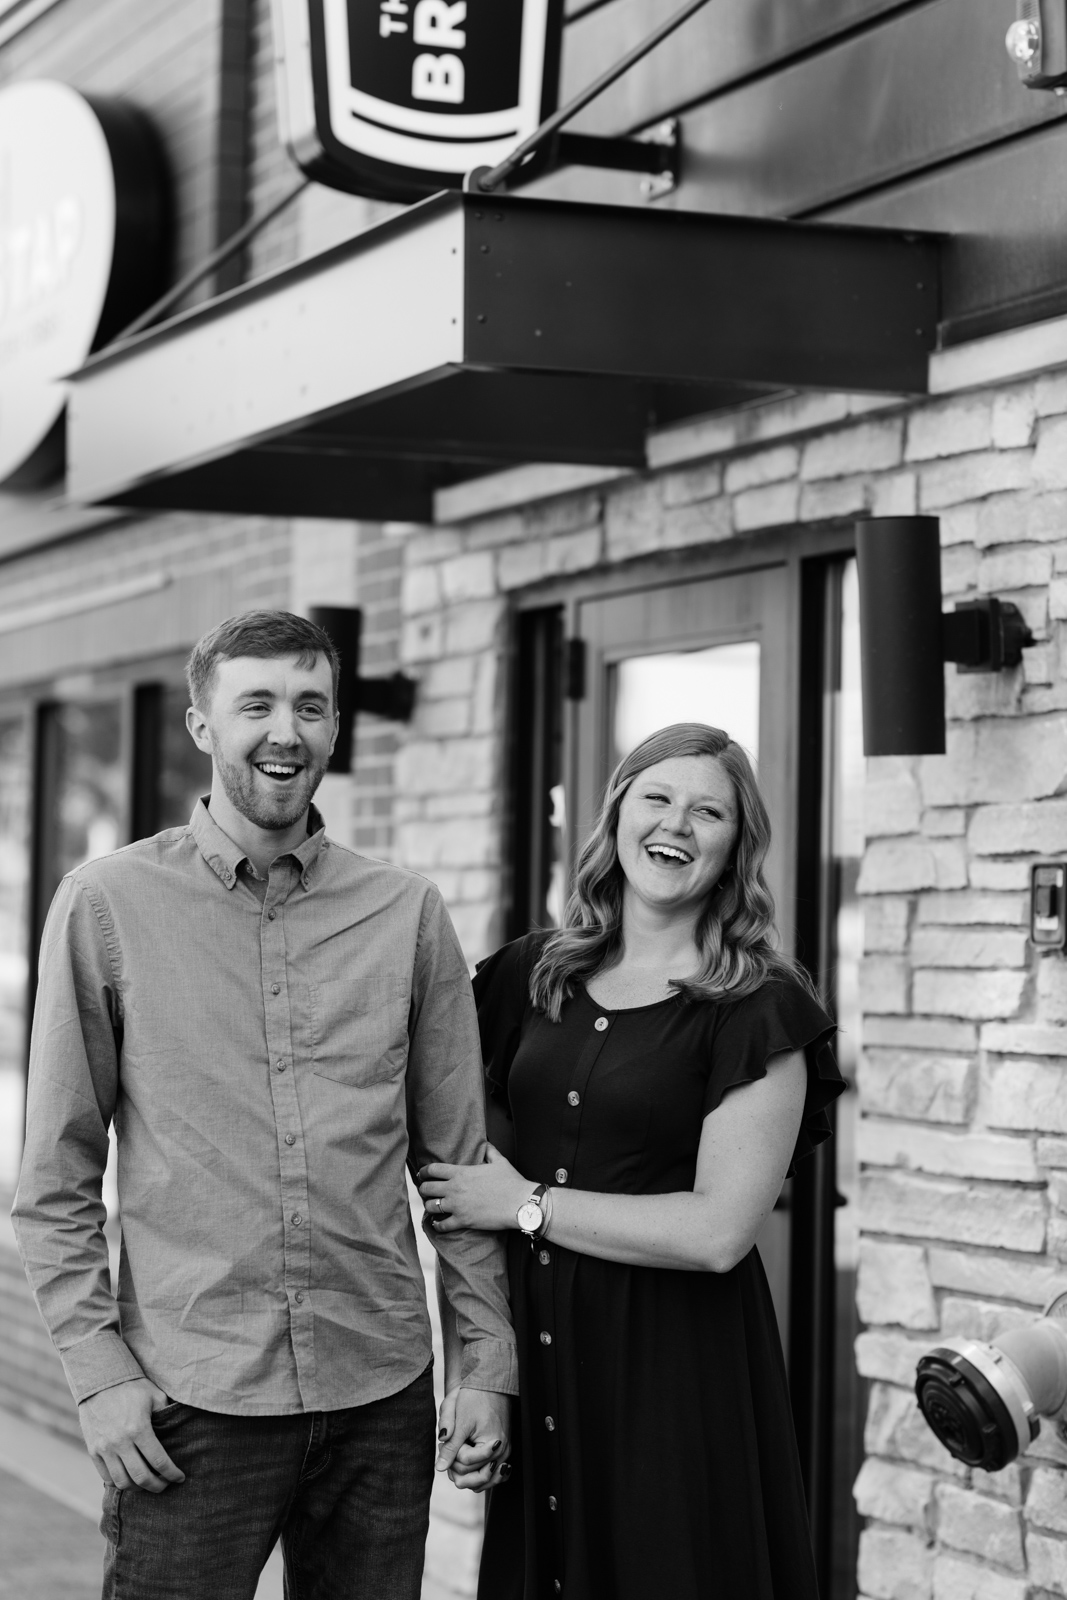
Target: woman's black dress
{"x": 655, "y": 1457}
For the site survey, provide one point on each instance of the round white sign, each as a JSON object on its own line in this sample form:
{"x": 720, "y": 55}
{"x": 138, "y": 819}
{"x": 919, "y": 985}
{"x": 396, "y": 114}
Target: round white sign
{"x": 57, "y": 239}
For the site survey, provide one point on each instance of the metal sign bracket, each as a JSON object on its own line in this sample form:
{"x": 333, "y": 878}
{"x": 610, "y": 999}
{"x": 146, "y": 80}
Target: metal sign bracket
{"x": 657, "y": 152}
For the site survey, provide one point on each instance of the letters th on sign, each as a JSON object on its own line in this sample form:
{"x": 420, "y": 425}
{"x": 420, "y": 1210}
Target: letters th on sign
{"x": 408, "y": 95}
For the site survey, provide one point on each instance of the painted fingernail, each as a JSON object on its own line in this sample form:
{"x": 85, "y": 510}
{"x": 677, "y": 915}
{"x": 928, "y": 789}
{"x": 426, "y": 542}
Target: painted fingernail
{"x": 442, "y": 1433}
{"x": 496, "y": 1444}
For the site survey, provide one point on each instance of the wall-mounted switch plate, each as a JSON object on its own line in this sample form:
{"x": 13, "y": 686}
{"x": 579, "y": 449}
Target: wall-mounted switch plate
{"x": 1048, "y": 904}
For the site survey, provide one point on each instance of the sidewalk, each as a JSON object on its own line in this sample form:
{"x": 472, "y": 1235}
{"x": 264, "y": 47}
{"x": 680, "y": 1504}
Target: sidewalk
{"x": 49, "y": 1510}
{"x": 57, "y": 1495}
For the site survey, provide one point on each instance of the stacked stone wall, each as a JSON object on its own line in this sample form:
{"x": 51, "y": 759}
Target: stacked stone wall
{"x": 963, "y": 1081}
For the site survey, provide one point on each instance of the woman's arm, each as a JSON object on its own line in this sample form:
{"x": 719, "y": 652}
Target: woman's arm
{"x": 745, "y": 1148}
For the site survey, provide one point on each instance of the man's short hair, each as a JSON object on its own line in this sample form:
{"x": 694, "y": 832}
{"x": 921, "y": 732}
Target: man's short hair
{"x": 261, "y": 634}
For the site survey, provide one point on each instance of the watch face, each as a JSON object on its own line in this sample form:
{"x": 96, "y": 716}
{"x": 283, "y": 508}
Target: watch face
{"x": 529, "y": 1216}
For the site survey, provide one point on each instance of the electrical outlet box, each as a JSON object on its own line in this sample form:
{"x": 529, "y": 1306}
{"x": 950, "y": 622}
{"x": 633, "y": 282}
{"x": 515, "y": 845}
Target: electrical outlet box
{"x": 1048, "y": 905}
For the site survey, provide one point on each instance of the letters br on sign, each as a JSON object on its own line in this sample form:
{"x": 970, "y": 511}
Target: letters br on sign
{"x": 398, "y": 98}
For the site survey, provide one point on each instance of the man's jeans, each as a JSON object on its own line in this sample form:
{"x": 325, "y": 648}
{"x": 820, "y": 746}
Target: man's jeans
{"x": 348, "y": 1493}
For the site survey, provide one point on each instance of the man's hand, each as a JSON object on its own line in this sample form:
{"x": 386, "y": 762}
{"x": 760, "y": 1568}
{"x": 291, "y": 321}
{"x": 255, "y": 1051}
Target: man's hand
{"x": 117, "y": 1426}
{"x": 474, "y": 1440}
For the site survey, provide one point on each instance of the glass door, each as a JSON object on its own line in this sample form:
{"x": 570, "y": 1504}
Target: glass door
{"x": 715, "y": 650}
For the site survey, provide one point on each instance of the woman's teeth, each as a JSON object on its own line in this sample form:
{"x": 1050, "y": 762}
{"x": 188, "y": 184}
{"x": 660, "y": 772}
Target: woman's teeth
{"x": 666, "y": 852}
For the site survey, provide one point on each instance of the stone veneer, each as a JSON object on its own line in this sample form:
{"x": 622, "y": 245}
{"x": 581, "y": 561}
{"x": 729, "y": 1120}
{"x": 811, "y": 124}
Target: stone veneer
{"x": 963, "y": 1079}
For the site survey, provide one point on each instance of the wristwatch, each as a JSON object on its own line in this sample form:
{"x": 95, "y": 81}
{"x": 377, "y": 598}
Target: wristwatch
{"x": 532, "y": 1215}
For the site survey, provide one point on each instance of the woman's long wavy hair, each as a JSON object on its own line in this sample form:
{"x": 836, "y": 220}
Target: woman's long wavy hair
{"x": 736, "y": 931}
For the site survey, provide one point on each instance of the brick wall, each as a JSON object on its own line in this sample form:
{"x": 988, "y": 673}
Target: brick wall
{"x": 963, "y": 1084}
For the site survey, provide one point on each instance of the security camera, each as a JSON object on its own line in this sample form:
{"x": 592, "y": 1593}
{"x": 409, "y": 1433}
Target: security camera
{"x": 984, "y": 1401}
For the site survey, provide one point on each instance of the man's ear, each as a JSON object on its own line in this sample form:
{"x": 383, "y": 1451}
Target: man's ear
{"x": 336, "y": 729}
{"x": 196, "y": 722}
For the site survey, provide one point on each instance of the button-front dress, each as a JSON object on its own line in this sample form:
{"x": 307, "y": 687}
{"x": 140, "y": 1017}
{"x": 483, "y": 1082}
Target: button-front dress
{"x": 654, "y": 1457}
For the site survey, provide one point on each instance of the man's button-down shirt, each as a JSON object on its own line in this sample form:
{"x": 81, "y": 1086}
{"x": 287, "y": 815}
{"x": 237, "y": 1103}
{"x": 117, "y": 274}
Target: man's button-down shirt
{"x": 271, "y": 1051}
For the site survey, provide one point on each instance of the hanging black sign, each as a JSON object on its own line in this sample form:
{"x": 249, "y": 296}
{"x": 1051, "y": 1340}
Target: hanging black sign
{"x": 398, "y": 98}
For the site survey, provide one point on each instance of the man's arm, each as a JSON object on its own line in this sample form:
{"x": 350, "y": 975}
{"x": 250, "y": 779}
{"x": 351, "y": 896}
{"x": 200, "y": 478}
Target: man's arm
{"x": 446, "y": 1109}
{"x": 59, "y": 1211}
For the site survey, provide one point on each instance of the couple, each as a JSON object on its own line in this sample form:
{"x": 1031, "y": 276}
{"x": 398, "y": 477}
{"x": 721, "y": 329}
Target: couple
{"x": 277, "y": 1025}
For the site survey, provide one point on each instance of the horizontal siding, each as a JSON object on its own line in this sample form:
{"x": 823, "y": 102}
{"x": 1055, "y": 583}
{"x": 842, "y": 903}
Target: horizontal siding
{"x": 728, "y": 41}
{"x": 924, "y": 86}
{"x": 1005, "y": 212}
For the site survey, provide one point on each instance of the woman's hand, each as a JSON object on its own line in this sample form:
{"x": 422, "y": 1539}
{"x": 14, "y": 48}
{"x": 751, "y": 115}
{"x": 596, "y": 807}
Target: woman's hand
{"x": 485, "y": 1197}
{"x": 474, "y": 1438}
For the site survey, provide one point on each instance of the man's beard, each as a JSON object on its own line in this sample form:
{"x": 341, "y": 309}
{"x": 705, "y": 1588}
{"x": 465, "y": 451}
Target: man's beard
{"x": 239, "y": 783}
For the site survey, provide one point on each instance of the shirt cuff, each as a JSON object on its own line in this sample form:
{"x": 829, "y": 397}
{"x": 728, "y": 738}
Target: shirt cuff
{"x": 99, "y": 1362}
{"x": 490, "y": 1364}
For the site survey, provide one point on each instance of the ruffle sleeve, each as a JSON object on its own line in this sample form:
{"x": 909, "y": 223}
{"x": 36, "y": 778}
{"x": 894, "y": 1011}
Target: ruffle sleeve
{"x": 502, "y": 995}
{"x": 780, "y": 1016}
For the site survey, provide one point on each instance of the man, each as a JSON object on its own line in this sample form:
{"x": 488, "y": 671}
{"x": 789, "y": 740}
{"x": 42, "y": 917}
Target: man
{"x": 275, "y": 1025}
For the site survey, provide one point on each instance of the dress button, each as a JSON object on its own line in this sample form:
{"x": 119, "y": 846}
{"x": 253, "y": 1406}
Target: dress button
{"x": 271, "y": 915}
{"x": 574, "y": 1098}
{"x": 553, "y": 1503}
{"x": 550, "y": 1424}
{"x": 299, "y": 1298}
{"x": 275, "y": 988}
{"x": 297, "y": 1219}
{"x": 600, "y": 1024}
{"x": 546, "y": 1338}
{"x": 557, "y": 1586}
{"x": 544, "y": 1257}
{"x": 290, "y": 1138}
{"x": 561, "y": 1174}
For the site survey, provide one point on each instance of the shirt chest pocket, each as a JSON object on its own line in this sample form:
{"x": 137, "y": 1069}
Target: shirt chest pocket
{"x": 359, "y": 1031}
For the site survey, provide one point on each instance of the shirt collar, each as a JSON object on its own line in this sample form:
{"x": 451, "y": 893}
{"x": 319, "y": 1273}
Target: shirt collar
{"x": 224, "y": 857}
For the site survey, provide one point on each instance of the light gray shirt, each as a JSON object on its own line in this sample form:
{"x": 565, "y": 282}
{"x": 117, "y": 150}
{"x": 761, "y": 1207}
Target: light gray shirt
{"x": 270, "y": 1064}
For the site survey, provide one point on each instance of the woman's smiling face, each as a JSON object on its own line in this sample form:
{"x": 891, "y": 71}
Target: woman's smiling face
{"x": 677, "y": 828}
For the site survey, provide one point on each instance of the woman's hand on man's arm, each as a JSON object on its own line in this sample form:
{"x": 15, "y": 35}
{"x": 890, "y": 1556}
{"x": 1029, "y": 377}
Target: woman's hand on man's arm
{"x": 485, "y": 1197}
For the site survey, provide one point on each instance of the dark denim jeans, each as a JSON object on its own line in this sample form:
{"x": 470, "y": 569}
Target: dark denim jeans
{"x": 348, "y": 1492}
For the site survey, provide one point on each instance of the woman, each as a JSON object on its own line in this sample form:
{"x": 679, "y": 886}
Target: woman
{"x": 659, "y": 1066}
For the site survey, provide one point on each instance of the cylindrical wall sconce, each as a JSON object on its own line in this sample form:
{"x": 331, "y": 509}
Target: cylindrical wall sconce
{"x": 902, "y": 664}
{"x": 905, "y": 638}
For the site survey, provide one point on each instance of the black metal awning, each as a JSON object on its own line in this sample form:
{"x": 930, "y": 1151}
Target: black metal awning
{"x": 471, "y": 333}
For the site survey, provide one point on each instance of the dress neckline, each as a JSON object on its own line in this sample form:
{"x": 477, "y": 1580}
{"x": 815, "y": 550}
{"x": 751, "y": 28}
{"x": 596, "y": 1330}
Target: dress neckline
{"x": 622, "y": 1011}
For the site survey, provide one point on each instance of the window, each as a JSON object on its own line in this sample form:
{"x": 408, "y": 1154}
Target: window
{"x": 84, "y": 770}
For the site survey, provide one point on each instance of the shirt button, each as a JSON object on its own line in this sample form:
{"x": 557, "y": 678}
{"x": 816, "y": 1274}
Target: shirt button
{"x": 553, "y": 1503}
{"x": 561, "y": 1174}
{"x": 275, "y": 988}
{"x": 281, "y": 1066}
{"x": 297, "y": 1219}
{"x": 550, "y": 1424}
{"x": 299, "y": 1298}
{"x": 544, "y": 1257}
{"x": 600, "y": 1024}
{"x": 546, "y": 1338}
{"x": 290, "y": 1138}
{"x": 574, "y": 1098}
{"x": 271, "y": 915}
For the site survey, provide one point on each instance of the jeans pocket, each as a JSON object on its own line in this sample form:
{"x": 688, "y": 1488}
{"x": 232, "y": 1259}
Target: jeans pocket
{"x": 167, "y": 1413}
{"x": 111, "y": 1516}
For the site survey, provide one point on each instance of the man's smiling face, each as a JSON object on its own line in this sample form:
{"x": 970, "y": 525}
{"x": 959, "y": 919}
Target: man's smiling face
{"x": 269, "y": 727}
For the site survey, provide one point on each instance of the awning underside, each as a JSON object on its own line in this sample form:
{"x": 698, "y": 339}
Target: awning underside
{"x": 460, "y": 337}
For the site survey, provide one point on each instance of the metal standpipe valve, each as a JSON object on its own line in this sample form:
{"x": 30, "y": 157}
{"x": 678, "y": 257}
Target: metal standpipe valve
{"x": 984, "y": 1401}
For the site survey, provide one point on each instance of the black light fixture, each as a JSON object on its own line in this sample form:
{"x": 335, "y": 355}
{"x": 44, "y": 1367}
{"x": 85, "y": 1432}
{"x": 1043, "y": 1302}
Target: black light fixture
{"x": 905, "y": 638}
{"x": 392, "y": 698}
